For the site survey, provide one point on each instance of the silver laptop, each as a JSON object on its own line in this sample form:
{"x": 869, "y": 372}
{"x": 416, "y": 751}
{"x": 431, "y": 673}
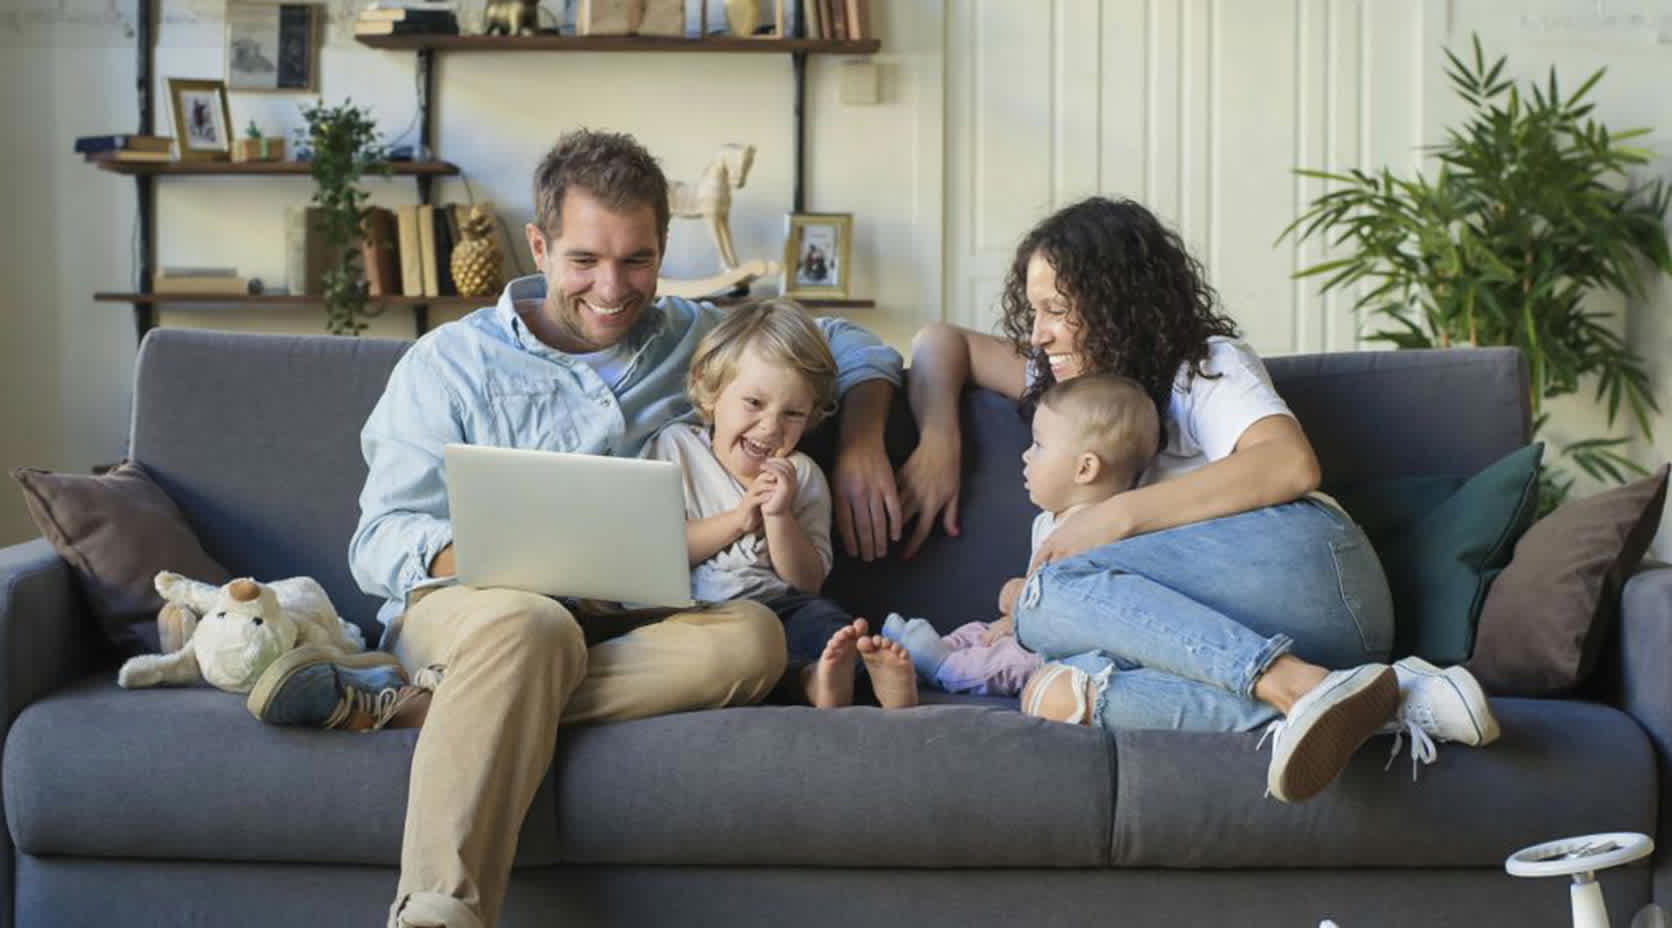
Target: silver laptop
{"x": 572, "y": 525}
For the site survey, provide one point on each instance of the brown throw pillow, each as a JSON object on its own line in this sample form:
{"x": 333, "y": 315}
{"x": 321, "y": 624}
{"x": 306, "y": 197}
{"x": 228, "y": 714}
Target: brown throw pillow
{"x": 117, "y": 530}
{"x": 1554, "y": 607}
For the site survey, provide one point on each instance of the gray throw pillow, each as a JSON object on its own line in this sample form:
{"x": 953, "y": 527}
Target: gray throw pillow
{"x": 117, "y": 530}
{"x": 1553, "y": 609}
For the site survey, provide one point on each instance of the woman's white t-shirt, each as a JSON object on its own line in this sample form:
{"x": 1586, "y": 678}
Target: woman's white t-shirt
{"x": 1206, "y": 415}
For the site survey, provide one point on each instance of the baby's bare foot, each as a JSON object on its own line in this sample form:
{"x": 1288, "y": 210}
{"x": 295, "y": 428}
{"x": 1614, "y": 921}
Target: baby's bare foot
{"x": 828, "y": 681}
{"x": 892, "y": 676}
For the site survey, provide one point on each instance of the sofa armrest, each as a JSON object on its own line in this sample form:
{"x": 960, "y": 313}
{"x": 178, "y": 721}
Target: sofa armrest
{"x": 45, "y": 633}
{"x": 1645, "y": 690}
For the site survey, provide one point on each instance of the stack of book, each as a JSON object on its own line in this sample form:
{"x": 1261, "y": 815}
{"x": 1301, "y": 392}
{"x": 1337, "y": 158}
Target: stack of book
{"x": 836, "y": 19}
{"x": 409, "y": 17}
{"x": 124, "y": 147}
{"x": 406, "y": 251}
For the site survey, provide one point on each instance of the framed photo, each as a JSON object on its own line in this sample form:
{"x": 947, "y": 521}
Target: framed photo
{"x": 202, "y": 122}
{"x": 818, "y": 255}
{"x": 271, "y": 47}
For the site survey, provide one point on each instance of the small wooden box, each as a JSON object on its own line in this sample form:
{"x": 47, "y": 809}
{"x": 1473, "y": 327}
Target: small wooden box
{"x": 265, "y": 148}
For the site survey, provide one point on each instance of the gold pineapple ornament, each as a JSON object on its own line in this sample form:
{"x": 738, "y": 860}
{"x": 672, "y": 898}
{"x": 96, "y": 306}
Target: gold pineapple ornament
{"x": 477, "y": 259}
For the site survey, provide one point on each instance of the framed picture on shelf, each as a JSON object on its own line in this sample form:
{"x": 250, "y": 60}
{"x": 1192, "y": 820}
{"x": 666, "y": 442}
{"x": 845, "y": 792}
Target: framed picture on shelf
{"x": 271, "y": 47}
{"x": 202, "y": 122}
{"x": 818, "y": 255}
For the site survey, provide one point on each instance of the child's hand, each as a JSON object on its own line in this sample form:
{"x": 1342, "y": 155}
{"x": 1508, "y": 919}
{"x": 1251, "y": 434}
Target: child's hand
{"x": 748, "y": 510}
{"x": 1009, "y": 593}
{"x": 778, "y": 477}
{"x": 1003, "y": 628}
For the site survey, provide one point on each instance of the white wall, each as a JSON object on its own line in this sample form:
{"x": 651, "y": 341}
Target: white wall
{"x": 71, "y": 67}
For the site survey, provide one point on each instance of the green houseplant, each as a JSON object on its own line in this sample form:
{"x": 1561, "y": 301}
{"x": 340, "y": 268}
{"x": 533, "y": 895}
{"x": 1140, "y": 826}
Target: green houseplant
{"x": 1530, "y": 210}
{"x": 344, "y": 147}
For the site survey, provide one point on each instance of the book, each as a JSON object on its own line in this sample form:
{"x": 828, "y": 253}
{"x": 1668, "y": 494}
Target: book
{"x": 443, "y": 252}
{"x": 199, "y": 280}
{"x": 449, "y": 26}
{"x": 426, "y": 249}
{"x": 412, "y": 265}
{"x": 856, "y": 19}
{"x": 810, "y": 16}
{"x": 130, "y": 156}
{"x": 94, "y": 144}
{"x": 409, "y": 15}
{"x": 306, "y": 255}
{"x": 379, "y": 253}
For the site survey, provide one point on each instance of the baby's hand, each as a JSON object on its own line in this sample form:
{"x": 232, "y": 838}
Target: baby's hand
{"x": 1009, "y": 593}
{"x": 778, "y": 476}
{"x": 1003, "y": 628}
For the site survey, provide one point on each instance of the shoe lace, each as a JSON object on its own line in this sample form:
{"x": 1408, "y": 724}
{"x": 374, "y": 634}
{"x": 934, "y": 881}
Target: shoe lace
{"x": 380, "y": 705}
{"x": 1274, "y": 731}
{"x": 1423, "y": 749}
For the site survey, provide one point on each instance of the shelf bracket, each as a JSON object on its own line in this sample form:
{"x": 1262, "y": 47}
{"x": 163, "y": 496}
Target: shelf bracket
{"x": 145, "y": 314}
{"x": 798, "y": 62}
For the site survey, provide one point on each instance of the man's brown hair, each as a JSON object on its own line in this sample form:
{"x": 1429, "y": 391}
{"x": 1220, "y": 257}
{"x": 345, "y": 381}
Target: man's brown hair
{"x": 611, "y": 166}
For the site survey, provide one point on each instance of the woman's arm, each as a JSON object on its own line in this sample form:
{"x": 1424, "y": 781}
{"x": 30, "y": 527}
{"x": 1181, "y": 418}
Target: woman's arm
{"x": 944, "y": 358}
{"x": 1272, "y": 463}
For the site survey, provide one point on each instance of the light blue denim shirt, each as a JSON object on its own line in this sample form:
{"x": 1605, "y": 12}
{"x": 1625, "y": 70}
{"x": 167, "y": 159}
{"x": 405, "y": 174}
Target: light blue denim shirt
{"x": 487, "y": 380}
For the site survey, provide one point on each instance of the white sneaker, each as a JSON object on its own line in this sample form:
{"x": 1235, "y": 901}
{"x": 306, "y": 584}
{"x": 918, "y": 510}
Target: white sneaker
{"x": 1448, "y": 705}
{"x": 1324, "y": 728}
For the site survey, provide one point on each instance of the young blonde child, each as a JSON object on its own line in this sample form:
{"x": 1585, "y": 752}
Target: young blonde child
{"x": 1092, "y": 438}
{"x": 758, "y": 511}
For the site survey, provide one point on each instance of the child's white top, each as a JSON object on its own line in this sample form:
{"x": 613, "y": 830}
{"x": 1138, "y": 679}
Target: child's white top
{"x": 744, "y": 569}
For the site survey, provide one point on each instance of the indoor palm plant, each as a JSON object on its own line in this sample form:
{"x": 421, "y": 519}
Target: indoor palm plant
{"x": 343, "y": 144}
{"x": 1530, "y": 210}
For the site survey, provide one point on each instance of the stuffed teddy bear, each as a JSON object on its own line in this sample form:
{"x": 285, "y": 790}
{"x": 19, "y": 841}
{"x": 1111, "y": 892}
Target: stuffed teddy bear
{"x": 228, "y": 635}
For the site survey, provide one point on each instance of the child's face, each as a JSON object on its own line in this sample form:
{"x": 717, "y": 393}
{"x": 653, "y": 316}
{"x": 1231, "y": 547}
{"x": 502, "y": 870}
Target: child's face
{"x": 759, "y": 415}
{"x": 1048, "y": 465}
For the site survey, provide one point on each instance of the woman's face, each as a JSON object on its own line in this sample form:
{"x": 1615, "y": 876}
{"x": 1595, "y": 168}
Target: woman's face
{"x": 1057, "y": 328}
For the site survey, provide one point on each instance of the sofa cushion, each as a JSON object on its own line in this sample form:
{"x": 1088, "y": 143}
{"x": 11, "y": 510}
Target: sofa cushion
{"x": 1554, "y": 607}
{"x": 117, "y": 530}
{"x": 1471, "y": 808}
{"x": 1441, "y": 560}
{"x": 187, "y": 774}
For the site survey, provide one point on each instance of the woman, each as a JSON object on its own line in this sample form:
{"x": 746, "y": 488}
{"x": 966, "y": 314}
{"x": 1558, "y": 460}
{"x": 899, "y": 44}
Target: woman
{"x": 1217, "y": 594}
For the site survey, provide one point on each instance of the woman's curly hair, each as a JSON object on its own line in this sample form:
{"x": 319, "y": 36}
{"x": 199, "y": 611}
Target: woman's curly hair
{"x": 1143, "y": 301}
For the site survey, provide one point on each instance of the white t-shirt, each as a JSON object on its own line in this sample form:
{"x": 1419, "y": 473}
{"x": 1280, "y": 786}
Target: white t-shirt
{"x": 744, "y": 569}
{"x": 1207, "y": 415}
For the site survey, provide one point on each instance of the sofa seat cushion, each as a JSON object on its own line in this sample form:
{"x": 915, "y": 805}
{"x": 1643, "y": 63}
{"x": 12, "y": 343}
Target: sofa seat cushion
{"x": 1561, "y": 768}
{"x": 96, "y": 771}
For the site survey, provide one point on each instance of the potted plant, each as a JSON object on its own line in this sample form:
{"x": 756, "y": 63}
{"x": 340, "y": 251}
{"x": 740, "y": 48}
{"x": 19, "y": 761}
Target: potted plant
{"x": 342, "y": 146}
{"x": 1531, "y": 211}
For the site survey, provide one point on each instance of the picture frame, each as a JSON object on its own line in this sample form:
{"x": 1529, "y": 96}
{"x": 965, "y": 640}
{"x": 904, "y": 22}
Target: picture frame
{"x": 202, "y": 120}
{"x": 272, "y": 47}
{"x": 818, "y": 255}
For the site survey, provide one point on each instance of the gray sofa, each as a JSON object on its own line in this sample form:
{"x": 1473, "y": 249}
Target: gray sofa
{"x": 174, "y": 807}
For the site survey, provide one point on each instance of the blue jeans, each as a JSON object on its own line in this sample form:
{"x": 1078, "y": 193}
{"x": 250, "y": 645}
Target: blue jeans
{"x": 1175, "y": 626}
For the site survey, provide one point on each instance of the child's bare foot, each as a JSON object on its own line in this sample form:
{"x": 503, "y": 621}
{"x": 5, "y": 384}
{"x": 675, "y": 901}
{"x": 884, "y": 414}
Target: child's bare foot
{"x": 828, "y": 681}
{"x": 892, "y": 676}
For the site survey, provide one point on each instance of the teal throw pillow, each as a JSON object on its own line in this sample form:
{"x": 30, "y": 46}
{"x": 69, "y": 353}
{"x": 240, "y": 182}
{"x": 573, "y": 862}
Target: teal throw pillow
{"x": 1442, "y": 540}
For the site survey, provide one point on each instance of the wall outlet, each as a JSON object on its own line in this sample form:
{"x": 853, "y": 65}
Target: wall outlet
{"x": 859, "y": 83}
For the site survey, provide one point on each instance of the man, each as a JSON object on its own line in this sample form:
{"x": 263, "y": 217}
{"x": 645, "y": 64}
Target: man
{"x": 582, "y": 358}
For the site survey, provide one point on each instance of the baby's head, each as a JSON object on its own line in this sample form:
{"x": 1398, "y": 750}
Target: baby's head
{"x": 763, "y": 377}
{"x": 1093, "y": 435}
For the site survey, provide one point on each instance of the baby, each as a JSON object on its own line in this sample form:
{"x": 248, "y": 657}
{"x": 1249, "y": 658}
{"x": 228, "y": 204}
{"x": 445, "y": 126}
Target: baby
{"x": 758, "y": 512}
{"x": 1092, "y": 438}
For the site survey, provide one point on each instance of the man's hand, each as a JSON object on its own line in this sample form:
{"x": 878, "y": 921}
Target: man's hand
{"x": 442, "y": 565}
{"x": 777, "y": 481}
{"x": 1000, "y": 629}
{"x": 929, "y": 488}
{"x": 867, "y": 504}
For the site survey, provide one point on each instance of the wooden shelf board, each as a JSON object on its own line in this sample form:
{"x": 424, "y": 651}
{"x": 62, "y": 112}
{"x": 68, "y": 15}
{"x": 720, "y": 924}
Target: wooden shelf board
{"x": 619, "y": 43}
{"x": 275, "y": 300}
{"x": 397, "y": 168}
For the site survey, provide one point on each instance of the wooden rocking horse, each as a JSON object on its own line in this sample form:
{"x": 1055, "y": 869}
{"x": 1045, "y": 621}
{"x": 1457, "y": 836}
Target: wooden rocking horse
{"x": 709, "y": 199}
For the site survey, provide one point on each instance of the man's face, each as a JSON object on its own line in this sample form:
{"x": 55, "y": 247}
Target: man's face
{"x": 600, "y": 272}
{"x": 1049, "y": 464}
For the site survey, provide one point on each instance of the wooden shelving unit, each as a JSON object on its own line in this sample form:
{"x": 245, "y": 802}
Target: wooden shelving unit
{"x": 272, "y": 168}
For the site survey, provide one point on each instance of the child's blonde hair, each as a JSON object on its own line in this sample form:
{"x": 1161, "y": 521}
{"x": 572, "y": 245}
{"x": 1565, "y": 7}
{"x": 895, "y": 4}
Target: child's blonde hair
{"x": 1114, "y": 417}
{"x": 784, "y": 334}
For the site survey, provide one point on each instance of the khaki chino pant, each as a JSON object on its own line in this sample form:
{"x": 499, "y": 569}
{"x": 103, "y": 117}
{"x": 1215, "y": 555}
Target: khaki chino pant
{"x": 513, "y": 665}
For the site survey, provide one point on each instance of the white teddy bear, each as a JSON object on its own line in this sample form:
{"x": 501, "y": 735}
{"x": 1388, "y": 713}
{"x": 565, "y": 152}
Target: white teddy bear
{"x": 228, "y": 635}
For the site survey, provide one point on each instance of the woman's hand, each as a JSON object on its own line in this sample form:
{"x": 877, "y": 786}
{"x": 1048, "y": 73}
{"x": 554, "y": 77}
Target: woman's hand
{"x": 867, "y": 503}
{"x": 999, "y": 630}
{"x": 1093, "y": 527}
{"x": 929, "y": 489}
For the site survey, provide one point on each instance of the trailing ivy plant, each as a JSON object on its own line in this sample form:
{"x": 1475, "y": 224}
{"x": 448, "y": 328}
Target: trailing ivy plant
{"x": 344, "y": 147}
{"x": 1530, "y": 211}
